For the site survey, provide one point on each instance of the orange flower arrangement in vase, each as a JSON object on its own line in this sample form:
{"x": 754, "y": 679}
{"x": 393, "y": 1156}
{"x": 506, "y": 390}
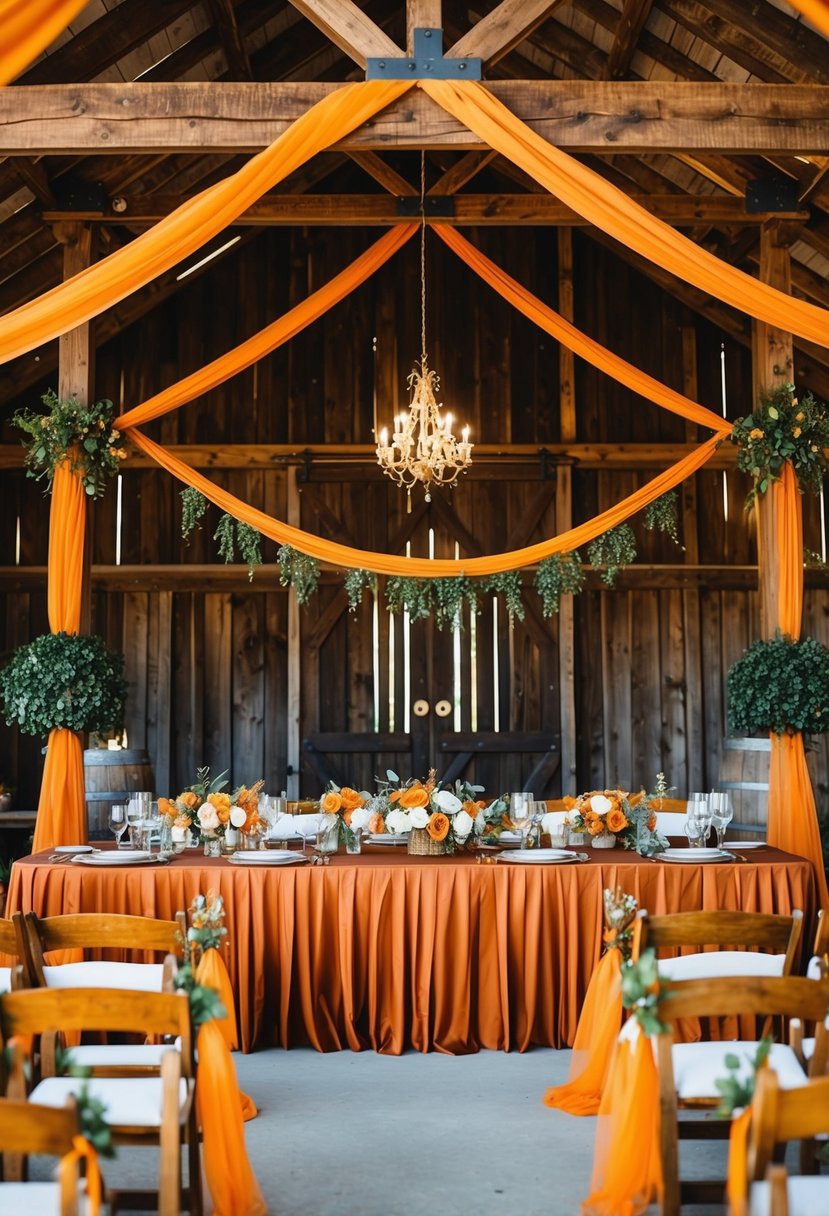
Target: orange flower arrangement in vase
{"x": 611, "y": 815}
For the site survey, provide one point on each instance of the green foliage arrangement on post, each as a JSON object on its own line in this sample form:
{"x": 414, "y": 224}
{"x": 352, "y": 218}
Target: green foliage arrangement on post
{"x": 82, "y": 434}
{"x": 780, "y": 685}
{"x": 783, "y": 427}
{"x": 66, "y": 680}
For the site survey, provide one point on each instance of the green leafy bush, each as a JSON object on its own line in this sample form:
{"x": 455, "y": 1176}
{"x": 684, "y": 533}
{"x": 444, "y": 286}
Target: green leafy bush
{"x": 67, "y": 680}
{"x": 782, "y": 686}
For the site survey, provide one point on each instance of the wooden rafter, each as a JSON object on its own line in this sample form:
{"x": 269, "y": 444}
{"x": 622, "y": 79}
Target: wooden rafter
{"x": 680, "y": 210}
{"x": 349, "y": 27}
{"x": 583, "y": 116}
{"x": 238, "y": 61}
{"x": 509, "y": 23}
{"x": 421, "y": 15}
{"x": 631, "y": 23}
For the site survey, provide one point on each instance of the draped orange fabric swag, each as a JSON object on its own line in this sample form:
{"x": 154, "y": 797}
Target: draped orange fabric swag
{"x": 28, "y": 27}
{"x": 230, "y": 1179}
{"x": 61, "y": 812}
{"x": 596, "y": 1034}
{"x": 737, "y": 1184}
{"x": 211, "y": 972}
{"x": 82, "y": 1150}
{"x": 817, "y": 11}
{"x": 194, "y": 222}
{"x": 615, "y": 213}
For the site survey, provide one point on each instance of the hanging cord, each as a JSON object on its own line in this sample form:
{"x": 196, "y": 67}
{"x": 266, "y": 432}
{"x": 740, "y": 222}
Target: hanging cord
{"x": 422, "y": 259}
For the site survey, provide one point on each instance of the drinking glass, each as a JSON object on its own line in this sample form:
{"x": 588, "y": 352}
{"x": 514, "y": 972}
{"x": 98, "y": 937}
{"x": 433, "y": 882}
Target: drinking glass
{"x": 722, "y": 813}
{"x": 694, "y": 820}
{"x": 118, "y": 823}
{"x": 135, "y": 820}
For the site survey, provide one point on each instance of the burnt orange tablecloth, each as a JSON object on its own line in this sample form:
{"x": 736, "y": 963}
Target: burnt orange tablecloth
{"x": 389, "y": 951}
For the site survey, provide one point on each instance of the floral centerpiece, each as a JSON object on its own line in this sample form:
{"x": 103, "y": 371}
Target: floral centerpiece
{"x": 205, "y": 810}
{"x": 610, "y": 815}
{"x": 350, "y": 811}
{"x": 437, "y": 818}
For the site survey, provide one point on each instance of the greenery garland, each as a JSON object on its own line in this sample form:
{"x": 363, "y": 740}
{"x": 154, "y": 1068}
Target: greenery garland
{"x": 65, "y": 680}
{"x": 508, "y": 586}
{"x": 412, "y": 595}
{"x": 82, "y": 434}
{"x": 299, "y": 571}
{"x": 642, "y": 990}
{"x": 448, "y": 595}
{"x": 780, "y": 685}
{"x": 661, "y": 514}
{"x": 193, "y": 507}
{"x": 561, "y": 574}
{"x": 737, "y": 1089}
{"x": 356, "y": 582}
{"x": 783, "y": 427}
{"x": 612, "y": 550}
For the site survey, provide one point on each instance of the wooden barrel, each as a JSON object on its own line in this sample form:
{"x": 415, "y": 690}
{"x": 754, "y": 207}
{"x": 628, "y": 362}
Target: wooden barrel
{"x": 109, "y": 778}
{"x": 744, "y": 772}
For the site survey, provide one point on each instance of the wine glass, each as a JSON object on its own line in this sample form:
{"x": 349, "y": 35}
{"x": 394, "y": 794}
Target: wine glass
{"x": 694, "y": 820}
{"x": 118, "y": 822}
{"x": 135, "y": 820}
{"x": 520, "y": 812}
{"x": 722, "y": 813}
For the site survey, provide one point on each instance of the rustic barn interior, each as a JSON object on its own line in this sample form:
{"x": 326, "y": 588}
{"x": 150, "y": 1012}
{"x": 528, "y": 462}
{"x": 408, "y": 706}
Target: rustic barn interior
{"x": 623, "y": 682}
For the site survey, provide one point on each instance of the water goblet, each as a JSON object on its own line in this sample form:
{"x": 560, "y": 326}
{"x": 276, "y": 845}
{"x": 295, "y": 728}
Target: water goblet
{"x": 135, "y": 820}
{"x": 721, "y": 815}
{"x": 520, "y": 812}
{"x": 118, "y": 822}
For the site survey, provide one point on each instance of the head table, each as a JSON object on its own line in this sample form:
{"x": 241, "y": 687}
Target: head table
{"x": 389, "y": 952}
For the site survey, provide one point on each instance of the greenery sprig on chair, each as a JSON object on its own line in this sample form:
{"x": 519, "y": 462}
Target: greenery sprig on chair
{"x": 783, "y": 427}
{"x": 64, "y": 680}
{"x": 642, "y": 990}
{"x": 82, "y": 434}
{"x": 780, "y": 685}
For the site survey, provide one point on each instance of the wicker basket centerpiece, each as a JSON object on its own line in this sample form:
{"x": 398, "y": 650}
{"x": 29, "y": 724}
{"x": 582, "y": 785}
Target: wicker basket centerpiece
{"x": 421, "y": 844}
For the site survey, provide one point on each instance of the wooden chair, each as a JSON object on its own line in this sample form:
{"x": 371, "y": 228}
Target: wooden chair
{"x": 101, "y": 931}
{"x": 140, "y": 1110}
{"x": 688, "y": 1071}
{"x": 817, "y": 968}
{"x": 27, "y": 1128}
{"x": 776, "y": 939}
{"x": 12, "y": 943}
{"x": 779, "y": 1115}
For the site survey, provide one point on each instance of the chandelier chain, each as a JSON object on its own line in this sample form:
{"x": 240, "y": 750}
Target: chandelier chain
{"x": 422, "y": 257}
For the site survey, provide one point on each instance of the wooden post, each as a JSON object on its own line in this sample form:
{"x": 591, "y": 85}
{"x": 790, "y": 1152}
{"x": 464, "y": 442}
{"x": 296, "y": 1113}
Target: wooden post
{"x": 421, "y": 15}
{"x": 772, "y": 366}
{"x": 76, "y": 370}
{"x": 697, "y": 745}
{"x": 564, "y": 520}
{"x": 292, "y": 749}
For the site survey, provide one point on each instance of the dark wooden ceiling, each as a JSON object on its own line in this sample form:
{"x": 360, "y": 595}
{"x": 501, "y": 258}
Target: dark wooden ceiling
{"x": 272, "y": 40}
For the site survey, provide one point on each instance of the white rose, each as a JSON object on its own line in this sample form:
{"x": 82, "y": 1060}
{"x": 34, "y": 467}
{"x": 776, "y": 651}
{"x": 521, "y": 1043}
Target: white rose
{"x": 360, "y": 818}
{"x": 600, "y": 804}
{"x": 419, "y": 817}
{"x": 480, "y": 823}
{"x": 398, "y": 821}
{"x": 238, "y": 817}
{"x": 462, "y": 825}
{"x": 178, "y": 834}
{"x": 552, "y": 822}
{"x": 448, "y": 803}
{"x": 208, "y": 819}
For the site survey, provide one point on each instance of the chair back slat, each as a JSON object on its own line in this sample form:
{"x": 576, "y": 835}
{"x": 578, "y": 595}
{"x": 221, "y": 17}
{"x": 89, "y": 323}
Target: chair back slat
{"x": 26, "y": 1127}
{"x": 788, "y": 996}
{"x": 676, "y": 930}
{"x": 97, "y": 931}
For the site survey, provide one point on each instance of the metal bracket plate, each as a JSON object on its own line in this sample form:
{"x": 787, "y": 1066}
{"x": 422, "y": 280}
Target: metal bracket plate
{"x": 427, "y": 63}
{"x": 438, "y": 206}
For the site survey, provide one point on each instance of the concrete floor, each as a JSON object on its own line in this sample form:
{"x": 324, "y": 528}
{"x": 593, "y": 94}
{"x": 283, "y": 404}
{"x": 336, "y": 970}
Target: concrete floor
{"x": 351, "y": 1134}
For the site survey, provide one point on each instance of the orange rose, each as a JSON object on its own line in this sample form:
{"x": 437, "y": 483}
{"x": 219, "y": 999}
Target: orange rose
{"x": 223, "y": 813}
{"x": 617, "y": 820}
{"x": 166, "y": 807}
{"x": 377, "y": 824}
{"x": 182, "y": 821}
{"x": 569, "y": 802}
{"x": 595, "y": 826}
{"x": 438, "y": 826}
{"x": 351, "y": 798}
{"x": 635, "y": 799}
{"x": 189, "y": 798}
{"x": 220, "y": 801}
{"x": 414, "y": 796}
{"x": 347, "y": 817}
{"x": 331, "y": 802}
{"x": 396, "y": 795}
{"x": 652, "y": 823}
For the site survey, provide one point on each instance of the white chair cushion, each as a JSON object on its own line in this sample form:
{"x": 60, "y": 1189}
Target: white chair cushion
{"x": 808, "y": 1048}
{"x": 698, "y": 1065}
{"x": 813, "y": 971}
{"x": 118, "y": 1055}
{"x": 671, "y": 823}
{"x": 5, "y": 979}
{"x": 142, "y": 977}
{"x": 31, "y": 1198}
{"x": 129, "y": 1101}
{"x": 714, "y": 964}
{"x": 808, "y": 1196}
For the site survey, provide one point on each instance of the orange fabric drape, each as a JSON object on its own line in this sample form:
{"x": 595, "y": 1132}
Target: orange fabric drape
{"x": 273, "y": 335}
{"x": 737, "y": 1185}
{"x": 792, "y": 819}
{"x": 385, "y": 563}
{"x": 61, "y": 812}
{"x": 614, "y": 212}
{"x": 627, "y": 1171}
{"x": 27, "y": 27}
{"x": 195, "y": 222}
{"x": 816, "y": 11}
{"x": 596, "y": 1034}
{"x": 230, "y": 1179}
{"x": 566, "y": 333}
{"x": 82, "y": 1150}
{"x": 211, "y": 972}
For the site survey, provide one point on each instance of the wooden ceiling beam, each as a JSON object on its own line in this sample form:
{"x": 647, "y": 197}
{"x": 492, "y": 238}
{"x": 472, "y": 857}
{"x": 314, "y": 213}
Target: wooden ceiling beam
{"x": 667, "y": 56}
{"x": 381, "y": 172}
{"x": 349, "y": 28}
{"x": 509, "y": 23}
{"x": 632, "y": 21}
{"x": 579, "y": 115}
{"x": 422, "y": 15}
{"x": 680, "y": 210}
{"x": 238, "y": 60}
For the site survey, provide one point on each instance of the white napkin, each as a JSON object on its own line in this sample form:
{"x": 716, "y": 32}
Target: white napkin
{"x": 292, "y": 827}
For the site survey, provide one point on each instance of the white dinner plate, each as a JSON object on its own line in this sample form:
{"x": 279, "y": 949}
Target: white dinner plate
{"x": 685, "y": 857}
{"x": 541, "y": 857}
{"x": 388, "y": 838}
{"x": 268, "y": 857}
{"x": 747, "y": 844}
{"x": 111, "y": 858}
{"x": 73, "y": 848}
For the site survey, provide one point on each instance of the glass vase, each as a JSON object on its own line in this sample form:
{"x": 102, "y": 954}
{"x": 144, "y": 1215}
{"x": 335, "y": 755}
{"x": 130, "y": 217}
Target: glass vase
{"x": 604, "y": 840}
{"x": 212, "y": 846}
{"x": 328, "y": 839}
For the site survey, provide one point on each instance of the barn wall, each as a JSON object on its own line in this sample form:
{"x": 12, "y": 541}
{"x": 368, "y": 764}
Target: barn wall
{"x": 207, "y": 660}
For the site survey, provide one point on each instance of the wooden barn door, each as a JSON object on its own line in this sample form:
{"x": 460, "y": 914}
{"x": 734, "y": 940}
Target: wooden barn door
{"x": 380, "y": 691}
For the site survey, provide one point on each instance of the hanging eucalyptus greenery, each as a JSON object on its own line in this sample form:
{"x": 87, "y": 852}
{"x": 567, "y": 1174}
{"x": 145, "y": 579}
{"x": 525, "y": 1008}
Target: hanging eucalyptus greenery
{"x": 661, "y": 514}
{"x": 356, "y": 582}
{"x": 561, "y": 574}
{"x": 412, "y": 595}
{"x": 193, "y": 507}
{"x": 232, "y": 534}
{"x": 612, "y": 550}
{"x": 299, "y": 571}
{"x": 508, "y": 586}
{"x": 448, "y": 595}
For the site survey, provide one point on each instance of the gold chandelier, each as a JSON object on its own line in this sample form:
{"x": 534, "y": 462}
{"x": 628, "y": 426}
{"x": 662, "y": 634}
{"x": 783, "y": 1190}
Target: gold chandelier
{"x": 423, "y": 448}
